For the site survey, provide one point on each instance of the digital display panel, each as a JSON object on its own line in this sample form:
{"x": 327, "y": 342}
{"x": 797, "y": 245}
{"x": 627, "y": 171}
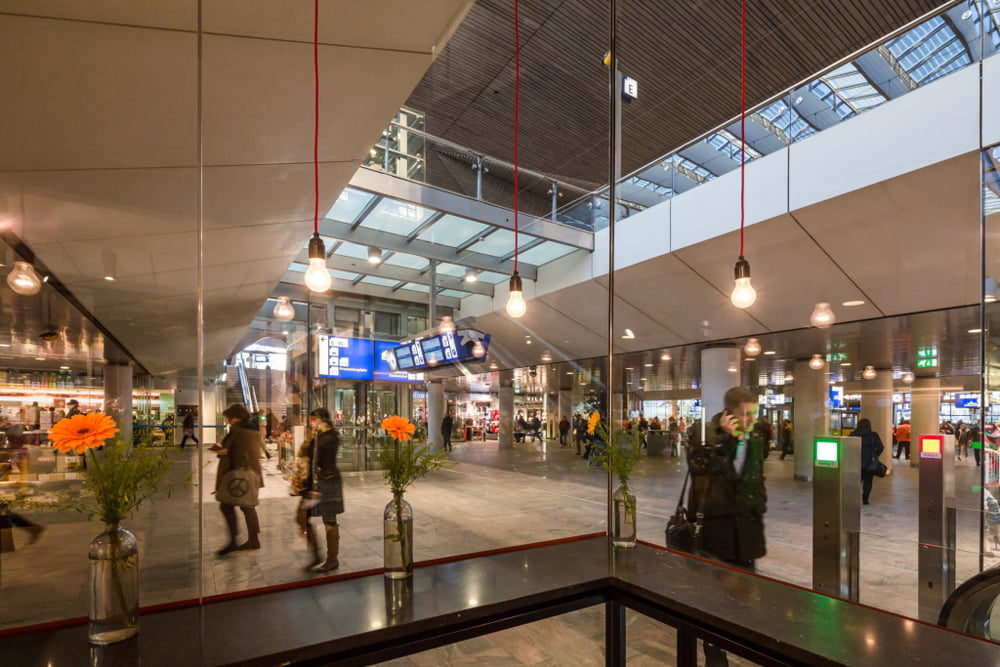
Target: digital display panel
{"x": 404, "y": 359}
{"x": 449, "y": 347}
{"x": 432, "y": 350}
{"x": 387, "y": 363}
{"x": 417, "y": 354}
{"x": 345, "y": 358}
{"x": 967, "y": 401}
{"x": 827, "y": 453}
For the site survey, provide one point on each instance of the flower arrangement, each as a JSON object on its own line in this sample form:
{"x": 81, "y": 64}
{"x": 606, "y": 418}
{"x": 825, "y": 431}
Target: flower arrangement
{"x": 405, "y": 461}
{"x": 119, "y": 477}
{"x": 620, "y": 455}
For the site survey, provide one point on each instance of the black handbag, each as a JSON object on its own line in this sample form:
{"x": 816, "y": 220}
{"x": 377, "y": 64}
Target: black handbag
{"x": 683, "y": 534}
{"x": 876, "y": 467}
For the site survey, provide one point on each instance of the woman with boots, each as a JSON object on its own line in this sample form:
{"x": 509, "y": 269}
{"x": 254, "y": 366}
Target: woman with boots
{"x": 324, "y": 493}
{"x": 240, "y": 449}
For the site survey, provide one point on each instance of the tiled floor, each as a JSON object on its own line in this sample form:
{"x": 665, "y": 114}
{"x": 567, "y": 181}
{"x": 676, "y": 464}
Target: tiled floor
{"x": 493, "y": 498}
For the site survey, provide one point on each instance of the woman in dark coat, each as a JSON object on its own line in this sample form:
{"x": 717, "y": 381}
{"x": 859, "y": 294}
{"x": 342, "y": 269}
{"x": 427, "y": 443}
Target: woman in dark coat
{"x": 324, "y": 486}
{"x": 240, "y": 449}
{"x": 871, "y": 448}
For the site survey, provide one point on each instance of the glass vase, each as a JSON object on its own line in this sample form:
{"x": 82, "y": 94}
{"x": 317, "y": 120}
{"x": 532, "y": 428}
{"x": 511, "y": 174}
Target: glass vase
{"x": 114, "y": 586}
{"x": 398, "y": 538}
{"x": 623, "y": 533}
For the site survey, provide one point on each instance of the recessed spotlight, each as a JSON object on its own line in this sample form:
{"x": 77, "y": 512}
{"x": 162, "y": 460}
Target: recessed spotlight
{"x": 527, "y": 342}
{"x": 665, "y": 357}
{"x": 64, "y": 368}
{"x": 628, "y": 335}
{"x": 109, "y": 278}
{"x": 648, "y": 365}
{"x": 39, "y": 358}
{"x": 732, "y": 369}
{"x": 851, "y": 304}
{"x": 967, "y": 14}
{"x": 768, "y": 353}
{"x": 974, "y": 331}
{"x": 569, "y": 372}
{"x": 845, "y": 363}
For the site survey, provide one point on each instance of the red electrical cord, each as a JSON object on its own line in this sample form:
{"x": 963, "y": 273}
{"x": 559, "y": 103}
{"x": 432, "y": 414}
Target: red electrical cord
{"x": 517, "y": 103}
{"x": 743, "y": 114}
{"x": 316, "y": 119}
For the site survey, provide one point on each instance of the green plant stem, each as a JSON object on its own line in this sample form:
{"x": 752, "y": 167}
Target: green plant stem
{"x": 116, "y": 579}
{"x": 401, "y": 531}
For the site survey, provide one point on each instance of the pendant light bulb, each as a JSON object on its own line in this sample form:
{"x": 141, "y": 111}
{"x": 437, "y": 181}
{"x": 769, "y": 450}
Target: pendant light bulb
{"x": 743, "y": 294}
{"x": 869, "y": 373}
{"x": 23, "y": 279}
{"x": 816, "y": 362}
{"x": 447, "y": 325}
{"x": 907, "y": 377}
{"x": 822, "y": 316}
{"x": 752, "y": 348}
{"x": 317, "y": 277}
{"x": 515, "y": 303}
{"x": 479, "y": 350}
{"x": 284, "y": 310}
{"x": 374, "y": 255}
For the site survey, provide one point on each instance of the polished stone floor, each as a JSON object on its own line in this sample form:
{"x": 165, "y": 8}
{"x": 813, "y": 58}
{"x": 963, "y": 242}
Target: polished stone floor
{"x": 493, "y": 498}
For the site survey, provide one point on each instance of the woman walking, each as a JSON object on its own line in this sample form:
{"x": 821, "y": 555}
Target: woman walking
{"x": 240, "y": 449}
{"x": 324, "y": 490}
{"x": 871, "y": 448}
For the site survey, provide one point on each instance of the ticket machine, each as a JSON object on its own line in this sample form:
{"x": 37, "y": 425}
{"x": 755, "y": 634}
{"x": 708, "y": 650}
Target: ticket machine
{"x": 936, "y": 524}
{"x": 836, "y": 515}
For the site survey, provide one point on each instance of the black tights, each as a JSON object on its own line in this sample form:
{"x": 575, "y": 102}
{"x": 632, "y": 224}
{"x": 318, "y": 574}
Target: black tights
{"x": 249, "y": 514}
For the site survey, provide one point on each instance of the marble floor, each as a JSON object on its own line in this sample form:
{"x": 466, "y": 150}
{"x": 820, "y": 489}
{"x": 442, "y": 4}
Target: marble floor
{"x": 491, "y": 499}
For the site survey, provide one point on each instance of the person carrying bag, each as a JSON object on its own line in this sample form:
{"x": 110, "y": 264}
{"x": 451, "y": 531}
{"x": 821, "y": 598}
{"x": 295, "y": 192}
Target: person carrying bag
{"x": 239, "y": 478}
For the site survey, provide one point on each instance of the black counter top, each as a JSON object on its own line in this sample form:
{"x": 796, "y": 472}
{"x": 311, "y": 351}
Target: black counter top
{"x": 448, "y": 602}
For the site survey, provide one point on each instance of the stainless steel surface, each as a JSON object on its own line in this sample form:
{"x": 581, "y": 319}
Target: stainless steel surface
{"x": 837, "y": 520}
{"x": 936, "y": 528}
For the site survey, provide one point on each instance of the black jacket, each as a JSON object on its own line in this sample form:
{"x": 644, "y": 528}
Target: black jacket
{"x": 446, "y": 424}
{"x": 733, "y": 504}
{"x": 871, "y": 445}
{"x": 323, "y": 456}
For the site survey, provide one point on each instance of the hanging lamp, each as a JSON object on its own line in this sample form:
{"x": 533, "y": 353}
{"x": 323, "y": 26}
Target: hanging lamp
{"x": 23, "y": 279}
{"x": 317, "y": 276}
{"x": 908, "y": 377}
{"x": 743, "y": 295}
{"x": 515, "y": 302}
{"x": 752, "y": 348}
{"x": 869, "y": 373}
{"x": 822, "y": 316}
{"x": 283, "y": 310}
{"x": 816, "y": 362}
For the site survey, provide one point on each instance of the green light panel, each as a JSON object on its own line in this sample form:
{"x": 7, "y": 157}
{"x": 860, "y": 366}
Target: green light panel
{"x": 827, "y": 453}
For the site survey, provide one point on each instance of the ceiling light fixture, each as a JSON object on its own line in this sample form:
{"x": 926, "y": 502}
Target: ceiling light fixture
{"x": 852, "y": 304}
{"x": 479, "y": 350}
{"x": 628, "y": 335}
{"x": 317, "y": 276}
{"x": 789, "y": 378}
{"x": 665, "y": 357}
{"x": 975, "y": 331}
{"x": 769, "y": 353}
{"x": 822, "y": 316}
{"x": 447, "y": 325}
{"x": 752, "y": 348}
{"x": 470, "y": 276}
{"x": 109, "y": 278}
{"x": 283, "y": 309}
{"x": 744, "y": 294}
{"x": 515, "y": 302}
{"x": 23, "y": 279}
{"x": 64, "y": 368}
{"x": 869, "y": 373}
{"x": 816, "y": 362}
{"x": 908, "y": 377}
{"x": 546, "y": 357}
{"x": 374, "y": 255}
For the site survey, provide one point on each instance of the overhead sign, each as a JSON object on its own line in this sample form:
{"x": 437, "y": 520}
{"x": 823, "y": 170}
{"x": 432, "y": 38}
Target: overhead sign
{"x": 967, "y": 401}
{"x": 344, "y": 358}
{"x": 438, "y": 350}
{"x": 386, "y": 367}
{"x": 836, "y": 396}
{"x": 927, "y": 357}
{"x": 630, "y": 87}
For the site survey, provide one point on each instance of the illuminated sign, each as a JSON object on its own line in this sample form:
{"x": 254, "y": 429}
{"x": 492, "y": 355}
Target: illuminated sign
{"x": 931, "y": 446}
{"x": 967, "y": 401}
{"x": 387, "y": 366}
{"x": 344, "y": 358}
{"x": 630, "y": 87}
{"x": 836, "y": 396}
{"x": 827, "y": 454}
{"x": 927, "y": 357}
{"x": 438, "y": 350}
{"x": 836, "y": 356}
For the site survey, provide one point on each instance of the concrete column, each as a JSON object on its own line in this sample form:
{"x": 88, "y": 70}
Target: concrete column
{"x": 717, "y": 378}
{"x": 551, "y": 415}
{"x": 118, "y": 397}
{"x": 925, "y": 401}
{"x": 810, "y": 415}
{"x": 565, "y": 405}
{"x": 506, "y": 410}
{"x": 435, "y": 413}
{"x": 876, "y": 404}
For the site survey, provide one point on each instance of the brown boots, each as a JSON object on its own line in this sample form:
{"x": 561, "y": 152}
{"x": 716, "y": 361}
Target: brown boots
{"x": 332, "y": 549}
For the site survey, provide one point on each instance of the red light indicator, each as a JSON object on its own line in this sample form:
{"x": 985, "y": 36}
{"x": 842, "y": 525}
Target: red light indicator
{"x": 931, "y": 446}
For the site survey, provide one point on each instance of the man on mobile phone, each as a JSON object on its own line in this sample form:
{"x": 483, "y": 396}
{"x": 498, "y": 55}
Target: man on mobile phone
{"x": 727, "y": 488}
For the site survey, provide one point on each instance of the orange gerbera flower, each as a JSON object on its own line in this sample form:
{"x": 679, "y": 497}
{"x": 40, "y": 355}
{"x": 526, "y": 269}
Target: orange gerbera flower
{"x": 82, "y": 432}
{"x": 399, "y": 427}
{"x": 595, "y": 419}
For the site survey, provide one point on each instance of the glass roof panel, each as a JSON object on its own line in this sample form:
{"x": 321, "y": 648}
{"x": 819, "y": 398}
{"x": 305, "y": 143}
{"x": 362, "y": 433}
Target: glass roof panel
{"x": 930, "y": 50}
{"x": 491, "y": 277}
{"x": 396, "y": 217}
{"x": 497, "y": 244}
{"x": 409, "y": 261}
{"x": 451, "y": 270}
{"x": 545, "y": 253}
{"x": 353, "y": 250}
{"x": 349, "y": 204}
{"x": 417, "y": 287}
{"x": 452, "y": 230}
{"x": 344, "y": 275}
{"x": 454, "y": 293}
{"x": 299, "y": 267}
{"x": 378, "y": 280}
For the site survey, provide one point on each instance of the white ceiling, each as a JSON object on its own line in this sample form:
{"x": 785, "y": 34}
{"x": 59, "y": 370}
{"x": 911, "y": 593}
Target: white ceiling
{"x": 99, "y": 128}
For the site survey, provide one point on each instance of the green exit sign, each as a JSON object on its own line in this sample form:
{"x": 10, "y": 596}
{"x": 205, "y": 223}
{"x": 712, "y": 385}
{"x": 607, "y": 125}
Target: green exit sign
{"x": 927, "y": 352}
{"x": 927, "y": 363}
{"x": 827, "y": 454}
{"x": 836, "y": 356}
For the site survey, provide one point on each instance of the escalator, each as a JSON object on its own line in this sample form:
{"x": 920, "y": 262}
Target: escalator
{"x": 974, "y": 605}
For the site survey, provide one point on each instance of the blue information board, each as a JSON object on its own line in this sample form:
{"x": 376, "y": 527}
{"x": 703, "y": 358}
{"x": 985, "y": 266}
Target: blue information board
{"x": 967, "y": 401}
{"x": 387, "y": 364}
{"x": 344, "y": 358}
